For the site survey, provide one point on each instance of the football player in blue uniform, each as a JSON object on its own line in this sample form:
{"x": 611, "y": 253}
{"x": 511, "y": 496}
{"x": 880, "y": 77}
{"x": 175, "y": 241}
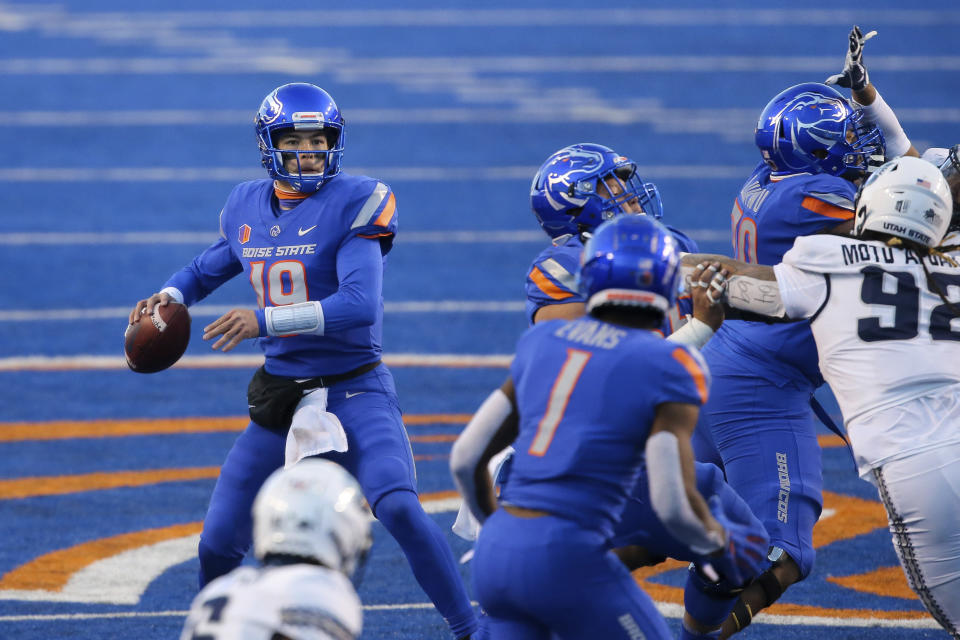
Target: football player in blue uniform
{"x": 575, "y": 190}
{"x": 312, "y": 241}
{"x": 585, "y": 400}
{"x": 759, "y": 422}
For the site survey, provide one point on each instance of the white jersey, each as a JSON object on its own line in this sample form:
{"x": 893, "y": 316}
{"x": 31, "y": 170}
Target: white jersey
{"x": 300, "y": 601}
{"x": 887, "y": 344}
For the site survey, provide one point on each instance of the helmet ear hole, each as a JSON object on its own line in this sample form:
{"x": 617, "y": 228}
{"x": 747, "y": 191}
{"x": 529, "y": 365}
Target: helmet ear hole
{"x": 820, "y": 154}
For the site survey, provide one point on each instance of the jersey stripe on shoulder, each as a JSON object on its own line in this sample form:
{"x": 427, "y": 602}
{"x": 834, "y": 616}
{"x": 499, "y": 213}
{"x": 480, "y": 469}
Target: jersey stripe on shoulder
{"x": 372, "y": 205}
{"x": 823, "y": 208}
{"x": 559, "y": 273}
{"x": 548, "y": 287}
{"x": 693, "y": 368}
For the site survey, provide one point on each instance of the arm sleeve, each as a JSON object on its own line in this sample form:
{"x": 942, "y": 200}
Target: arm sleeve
{"x": 802, "y": 275}
{"x": 802, "y": 292}
{"x": 209, "y": 270}
{"x": 879, "y": 113}
{"x": 357, "y": 301}
{"x": 668, "y": 495}
{"x": 473, "y": 443}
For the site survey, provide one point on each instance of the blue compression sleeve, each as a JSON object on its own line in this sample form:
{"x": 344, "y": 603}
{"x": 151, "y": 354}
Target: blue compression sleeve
{"x": 209, "y": 270}
{"x": 358, "y": 298}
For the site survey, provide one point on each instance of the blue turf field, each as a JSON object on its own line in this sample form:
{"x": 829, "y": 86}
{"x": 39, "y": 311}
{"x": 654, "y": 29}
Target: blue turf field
{"x": 125, "y": 126}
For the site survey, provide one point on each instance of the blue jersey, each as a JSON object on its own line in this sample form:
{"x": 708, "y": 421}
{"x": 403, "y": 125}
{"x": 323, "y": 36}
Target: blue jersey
{"x": 325, "y": 249}
{"x": 587, "y": 392}
{"x": 768, "y": 214}
{"x": 552, "y": 278}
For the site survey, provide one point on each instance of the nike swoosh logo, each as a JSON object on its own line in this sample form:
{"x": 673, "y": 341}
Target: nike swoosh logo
{"x": 301, "y": 231}
{"x": 350, "y": 395}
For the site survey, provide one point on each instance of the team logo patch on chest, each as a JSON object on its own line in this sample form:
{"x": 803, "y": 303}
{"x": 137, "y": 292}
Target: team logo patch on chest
{"x": 274, "y": 231}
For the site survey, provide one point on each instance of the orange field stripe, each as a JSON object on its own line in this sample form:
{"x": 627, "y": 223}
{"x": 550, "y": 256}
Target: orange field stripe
{"x": 53, "y": 570}
{"x": 828, "y": 441}
{"x": 40, "y": 486}
{"x": 418, "y": 419}
{"x": 64, "y": 429}
{"x": 440, "y": 437}
{"x": 885, "y": 581}
{"x": 854, "y": 517}
{"x": 60, "y": 485}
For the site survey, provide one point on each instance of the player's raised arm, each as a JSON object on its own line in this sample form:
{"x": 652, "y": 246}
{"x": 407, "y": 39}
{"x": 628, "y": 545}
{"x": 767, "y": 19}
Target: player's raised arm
{"x": 855, "y": 77}
{"x": 492, "y": 428}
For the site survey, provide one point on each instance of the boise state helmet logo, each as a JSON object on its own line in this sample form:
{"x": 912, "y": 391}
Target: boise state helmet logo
{"x": 828, "y": 110}
{"x": 581, "y": 165}
{"x": 271, "y": 109}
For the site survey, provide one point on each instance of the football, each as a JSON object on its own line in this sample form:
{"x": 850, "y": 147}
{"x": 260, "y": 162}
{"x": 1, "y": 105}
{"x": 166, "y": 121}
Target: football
{"x": 158, "y": 340}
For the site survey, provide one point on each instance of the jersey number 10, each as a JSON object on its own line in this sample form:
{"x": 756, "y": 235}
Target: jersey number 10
{"x": 286, "y": 282}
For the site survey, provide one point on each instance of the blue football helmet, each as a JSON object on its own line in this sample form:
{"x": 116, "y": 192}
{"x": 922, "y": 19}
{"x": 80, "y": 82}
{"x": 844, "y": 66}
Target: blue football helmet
{"x": 630, "y": 261}
{"x": 811, "y": 128}
{"x": 303, "y": 107}
{"x": 564, "y": 195}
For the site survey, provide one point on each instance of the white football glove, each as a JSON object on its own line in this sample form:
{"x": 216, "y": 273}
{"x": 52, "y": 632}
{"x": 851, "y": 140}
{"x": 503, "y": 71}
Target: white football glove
{"x": 854, "y": 75}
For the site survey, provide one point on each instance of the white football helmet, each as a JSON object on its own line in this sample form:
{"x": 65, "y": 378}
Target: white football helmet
{"x": 316, "y": 510}
{"x": 908, "y": 198}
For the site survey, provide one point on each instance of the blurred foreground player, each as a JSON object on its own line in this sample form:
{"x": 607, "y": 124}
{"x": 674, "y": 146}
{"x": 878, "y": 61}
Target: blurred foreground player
{"x": 311, "y": 531}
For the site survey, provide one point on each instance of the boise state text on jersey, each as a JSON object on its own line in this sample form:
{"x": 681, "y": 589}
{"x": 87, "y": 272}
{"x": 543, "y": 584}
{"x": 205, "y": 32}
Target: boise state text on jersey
{"x": 293, "y": 258}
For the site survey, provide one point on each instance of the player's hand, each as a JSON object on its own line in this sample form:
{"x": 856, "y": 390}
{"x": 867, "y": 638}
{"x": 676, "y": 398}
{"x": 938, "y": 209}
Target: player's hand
{"x": 234, "y": 327}
{"x": 145, "y": 307}
{"x": 744, "y": 555}
{"x": 708, "y": 284}
{"x": 854, "y": 75}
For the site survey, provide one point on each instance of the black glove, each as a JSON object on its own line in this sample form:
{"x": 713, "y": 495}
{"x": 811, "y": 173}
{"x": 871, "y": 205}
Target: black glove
{"x": 854, "y": 75}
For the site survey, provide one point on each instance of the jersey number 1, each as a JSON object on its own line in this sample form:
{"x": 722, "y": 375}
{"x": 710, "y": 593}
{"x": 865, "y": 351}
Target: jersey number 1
{"x": 559, "y": 397}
